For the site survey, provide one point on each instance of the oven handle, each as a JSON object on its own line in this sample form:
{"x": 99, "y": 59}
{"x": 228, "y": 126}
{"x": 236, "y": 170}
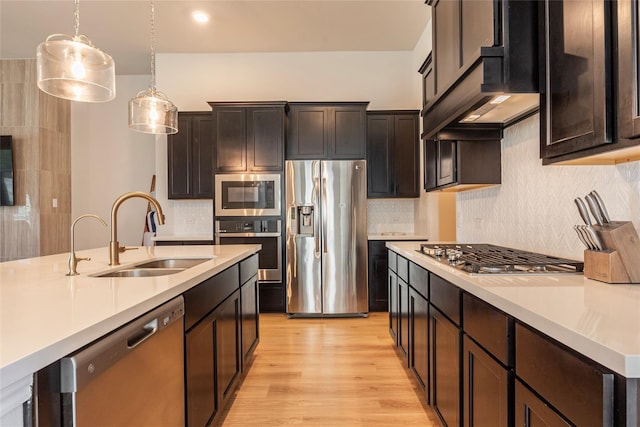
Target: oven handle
{"x": 222, "y": 234}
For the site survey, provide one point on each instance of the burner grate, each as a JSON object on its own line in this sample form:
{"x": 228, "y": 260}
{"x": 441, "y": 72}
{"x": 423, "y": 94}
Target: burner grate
{"x": 487, "y": 258}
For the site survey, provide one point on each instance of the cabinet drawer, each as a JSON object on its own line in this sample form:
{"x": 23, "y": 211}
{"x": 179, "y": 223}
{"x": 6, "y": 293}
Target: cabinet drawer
{"x": 393, "y": 261}
{"x": 576, "y": 387}
{"x": 201, "y": 299}
{"x": 403, "y": 269}
{"x": 248, "y": 268}
{"x": 419, "y": 279}
{"x": 489, "y": 327}
{"x": 446, "y": 297}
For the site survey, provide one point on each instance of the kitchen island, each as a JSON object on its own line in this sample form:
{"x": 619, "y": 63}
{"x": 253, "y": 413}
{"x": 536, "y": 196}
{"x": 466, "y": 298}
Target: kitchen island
{"x": 45, "y": 315}
{"x": 535, "y": 326}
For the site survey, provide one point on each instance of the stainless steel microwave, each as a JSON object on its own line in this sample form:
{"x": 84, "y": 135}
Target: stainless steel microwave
{"x": 247, "y": 195}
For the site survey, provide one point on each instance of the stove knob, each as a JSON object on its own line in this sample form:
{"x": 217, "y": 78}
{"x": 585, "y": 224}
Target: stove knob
{"x": 438, "y": 252}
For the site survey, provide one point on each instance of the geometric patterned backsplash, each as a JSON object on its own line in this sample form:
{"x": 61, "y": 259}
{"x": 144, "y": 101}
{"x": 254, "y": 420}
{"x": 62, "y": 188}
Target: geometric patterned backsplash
{"x": 533, "y": 209}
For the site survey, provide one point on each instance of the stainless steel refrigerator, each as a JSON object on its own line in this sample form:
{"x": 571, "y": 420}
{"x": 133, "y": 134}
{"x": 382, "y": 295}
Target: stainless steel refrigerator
{"x": 326, "y": 237}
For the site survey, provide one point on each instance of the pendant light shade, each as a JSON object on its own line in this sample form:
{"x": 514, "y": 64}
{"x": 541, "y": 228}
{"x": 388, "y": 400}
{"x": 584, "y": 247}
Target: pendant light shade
{"x": 70, "y": 67}
{"x": 150, "y": 111}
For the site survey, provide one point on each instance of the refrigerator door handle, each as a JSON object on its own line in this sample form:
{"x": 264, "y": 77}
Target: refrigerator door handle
{"x": 315, "y": 167}
{"x": 324, "y": 215}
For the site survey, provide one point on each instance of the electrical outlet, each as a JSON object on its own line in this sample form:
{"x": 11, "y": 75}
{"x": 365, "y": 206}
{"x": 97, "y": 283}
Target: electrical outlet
{"x": 54, "y": 202}
{"x": 395, "y": 219}
{"x": 190, "y": 221}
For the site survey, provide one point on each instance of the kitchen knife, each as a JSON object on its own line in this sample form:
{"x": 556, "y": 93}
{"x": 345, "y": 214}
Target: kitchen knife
{"x": 587, "y": 237}
{"x": 594, "y": 209}
{"x": 603, "y": 210}
{"x": 582, "y": 237}
{"x": 582, "y": 208}
{"x": 594, "y": 237}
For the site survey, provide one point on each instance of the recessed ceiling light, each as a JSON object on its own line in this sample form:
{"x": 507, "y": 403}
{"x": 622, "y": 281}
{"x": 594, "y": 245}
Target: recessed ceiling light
{"x": 200, "y": 16}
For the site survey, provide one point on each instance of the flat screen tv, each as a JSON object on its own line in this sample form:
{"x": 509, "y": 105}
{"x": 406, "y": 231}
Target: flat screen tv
{"x": 6, "y": 171}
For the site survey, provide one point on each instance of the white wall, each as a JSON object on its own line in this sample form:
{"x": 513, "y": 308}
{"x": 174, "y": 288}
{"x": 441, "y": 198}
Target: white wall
{"x": 534, "y": 207}
{"x": 107, "y": 160}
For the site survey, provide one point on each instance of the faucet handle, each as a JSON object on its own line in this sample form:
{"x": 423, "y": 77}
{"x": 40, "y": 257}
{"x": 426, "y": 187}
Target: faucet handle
{"x": 124, "y": 248}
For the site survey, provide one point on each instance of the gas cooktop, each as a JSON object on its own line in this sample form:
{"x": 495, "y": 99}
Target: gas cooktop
{"x": 491, "y": 259}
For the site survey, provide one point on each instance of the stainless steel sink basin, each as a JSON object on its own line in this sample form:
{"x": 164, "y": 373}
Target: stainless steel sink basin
{"x": 141, "y": 272}
{"x": 173, "y": 263}
{"x": 156, "y": 267}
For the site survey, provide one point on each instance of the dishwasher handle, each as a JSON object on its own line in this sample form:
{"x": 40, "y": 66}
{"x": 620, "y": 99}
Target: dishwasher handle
{"x": 81, "y": 367}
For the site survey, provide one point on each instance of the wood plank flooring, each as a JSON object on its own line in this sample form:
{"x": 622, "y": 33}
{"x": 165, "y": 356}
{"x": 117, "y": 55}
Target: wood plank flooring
{"x": 327, "y": 372}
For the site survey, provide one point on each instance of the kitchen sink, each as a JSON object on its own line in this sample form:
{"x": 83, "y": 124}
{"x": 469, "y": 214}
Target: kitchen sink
{"x": 156, "y": 267}
{"x": 173, "y": 263}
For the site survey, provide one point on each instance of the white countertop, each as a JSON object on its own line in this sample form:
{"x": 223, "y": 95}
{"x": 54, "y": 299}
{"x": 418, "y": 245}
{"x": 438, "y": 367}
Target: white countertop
{"x": 599, "y": 320}
{"x": 45, "y": 315}
{"x": 397, "y": 236}
{"x": 173, "y": 238}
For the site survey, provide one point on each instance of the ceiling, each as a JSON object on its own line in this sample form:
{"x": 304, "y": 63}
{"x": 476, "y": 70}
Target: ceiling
{"x": 122, "y": 28}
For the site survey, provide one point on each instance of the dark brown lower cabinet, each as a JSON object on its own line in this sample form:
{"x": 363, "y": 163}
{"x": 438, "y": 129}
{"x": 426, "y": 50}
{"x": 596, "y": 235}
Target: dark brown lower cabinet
{"x": 202, "y": 402}
{"x": 486, "y": 388}
{"x": 378, "y": 266}
{"x": 530, "y": 411}
{"x": 227, "y": 347}
{"x": 403, "y": 317}
{"x": 419, "y": 338}
{"x": 393, "y": 305}
{"x": 250, "y": 298}
{"x": 445, "y": 390}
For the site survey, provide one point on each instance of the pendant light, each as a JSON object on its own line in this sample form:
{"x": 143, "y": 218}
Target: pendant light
{"x": 70, "y": 67}
{"x": 150, "y": 111}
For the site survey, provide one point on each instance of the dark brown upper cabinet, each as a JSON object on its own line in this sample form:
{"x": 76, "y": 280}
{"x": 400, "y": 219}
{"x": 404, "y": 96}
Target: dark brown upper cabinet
{"x": 393, "y": 159}
{"x": 462, "y": 160}
{"x": 576, "y": 106}
{"x": 249, "y": 136}
{"x": 589, "y": 90}
{"x": 190, "y": 157}
{"x": 334, "y": 130}
{"x": 482, "y": 50}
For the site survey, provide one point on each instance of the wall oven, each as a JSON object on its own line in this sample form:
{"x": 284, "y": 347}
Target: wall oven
{"x": 256, "y": 231}
{"x": 247, "y": 195}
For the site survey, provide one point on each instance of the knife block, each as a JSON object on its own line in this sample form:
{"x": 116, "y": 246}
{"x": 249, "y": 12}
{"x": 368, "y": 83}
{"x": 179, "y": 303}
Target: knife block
{"x": 620, "y": 261}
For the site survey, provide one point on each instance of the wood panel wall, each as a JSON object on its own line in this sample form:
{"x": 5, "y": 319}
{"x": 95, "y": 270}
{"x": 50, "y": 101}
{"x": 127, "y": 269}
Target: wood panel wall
{"x": 41, "y": 128}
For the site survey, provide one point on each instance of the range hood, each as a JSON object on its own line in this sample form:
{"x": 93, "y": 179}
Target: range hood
{"x": 494, "y": 86}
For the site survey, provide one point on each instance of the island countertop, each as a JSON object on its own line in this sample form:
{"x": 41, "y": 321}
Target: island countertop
{"x": 598, "y": 320}
{"x": 45, "y": 315}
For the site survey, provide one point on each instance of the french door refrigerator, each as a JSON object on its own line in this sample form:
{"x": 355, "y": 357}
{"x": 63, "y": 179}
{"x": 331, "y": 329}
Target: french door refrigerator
{"x": 326, "y": 237}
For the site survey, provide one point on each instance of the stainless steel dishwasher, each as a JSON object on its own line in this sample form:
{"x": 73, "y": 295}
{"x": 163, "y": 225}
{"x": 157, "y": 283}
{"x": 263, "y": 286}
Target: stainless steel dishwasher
{"x": 131, "y": 377}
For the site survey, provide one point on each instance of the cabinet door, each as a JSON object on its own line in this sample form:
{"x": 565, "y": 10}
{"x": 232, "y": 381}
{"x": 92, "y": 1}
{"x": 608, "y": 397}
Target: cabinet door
{"x": 347, "y": 132}
{"x": 575, "y": 101}
{"x": 380, "y": 156}
{"x": 307, "y": 136}
{"x": 530, "y": 411}
{"x": 444, "y": 350}
{"x": 628, "y": 69}
{"x": 265, "y": 139}
{"x": 202, "y": 160}
{"x": 230, "y": 139}
{"x": 446, "y": 163}
{"x": 403, "y": 317}
{"x": 419, "y": 338}
{"x": 202, "y": 402}
{"x": 227, "y": 347}
{"x": 430, "y": 164}
{"x": 393, "y": 305}
{"x": 486, "y": 388}
{"x": 249, "y": 296}
{"x": 179, "y": 154}
{"x": 406, "y": 155}
{"x": 378, "y": 268}
{"x": 446, "y": 44}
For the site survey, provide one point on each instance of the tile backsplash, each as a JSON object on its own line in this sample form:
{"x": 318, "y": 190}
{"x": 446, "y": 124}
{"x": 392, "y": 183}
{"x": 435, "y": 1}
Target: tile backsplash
{"x": 534, "y": 207}
{"x": 385, "y": 215}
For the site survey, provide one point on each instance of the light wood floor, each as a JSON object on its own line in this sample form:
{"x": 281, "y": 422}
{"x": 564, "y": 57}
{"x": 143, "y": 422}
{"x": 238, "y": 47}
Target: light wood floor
{"x": 329, "y": 373}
